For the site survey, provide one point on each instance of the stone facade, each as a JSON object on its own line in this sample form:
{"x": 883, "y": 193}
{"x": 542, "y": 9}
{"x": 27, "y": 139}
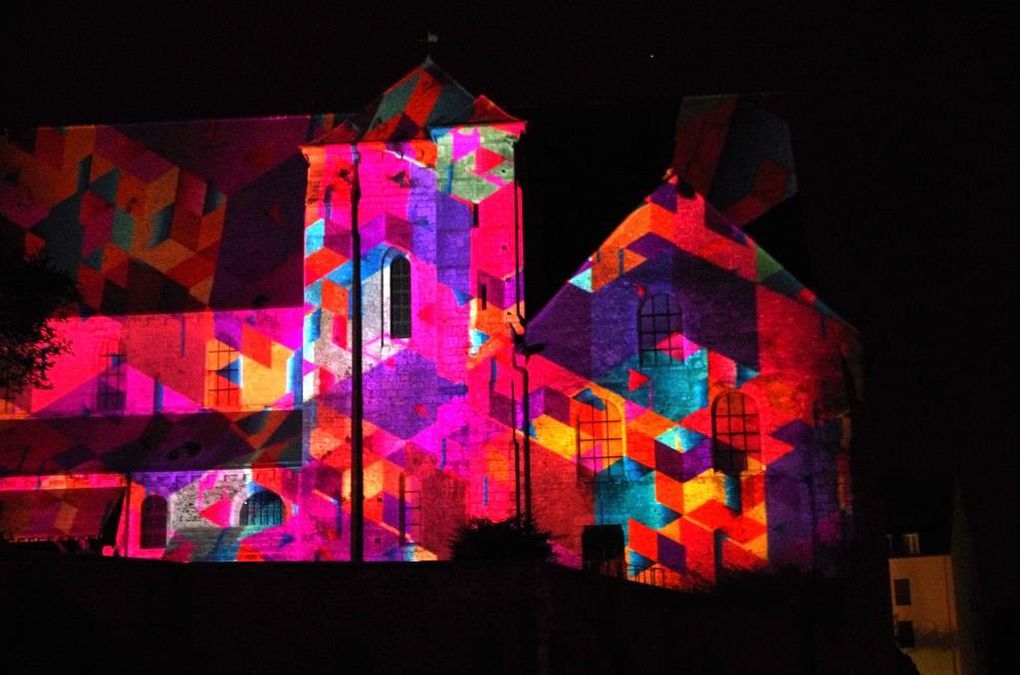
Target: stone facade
{"x": 681, "y": 385}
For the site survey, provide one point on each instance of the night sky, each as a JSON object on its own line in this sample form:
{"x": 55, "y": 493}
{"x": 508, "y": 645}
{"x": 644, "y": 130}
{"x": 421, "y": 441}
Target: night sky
{"x": 903, "y": 128}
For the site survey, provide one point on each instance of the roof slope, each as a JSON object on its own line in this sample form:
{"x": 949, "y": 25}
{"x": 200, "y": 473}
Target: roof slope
{"x": 688, "y": 224}
{"x": 426, "y": 98}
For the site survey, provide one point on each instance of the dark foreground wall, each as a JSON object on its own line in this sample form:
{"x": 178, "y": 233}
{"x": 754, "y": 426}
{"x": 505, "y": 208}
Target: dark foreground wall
{"x": 89, "y": 614}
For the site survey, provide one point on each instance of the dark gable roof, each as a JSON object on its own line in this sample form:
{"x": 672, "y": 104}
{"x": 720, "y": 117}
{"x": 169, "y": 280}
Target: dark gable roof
{"x": 426, "y": 98}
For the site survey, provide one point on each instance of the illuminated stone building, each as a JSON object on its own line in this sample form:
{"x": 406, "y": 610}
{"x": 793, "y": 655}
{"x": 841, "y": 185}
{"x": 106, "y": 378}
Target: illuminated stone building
{"x": 681, "y": 389}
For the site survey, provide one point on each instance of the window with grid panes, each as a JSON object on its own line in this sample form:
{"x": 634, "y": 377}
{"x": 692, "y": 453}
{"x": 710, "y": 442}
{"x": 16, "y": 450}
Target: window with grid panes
{"x": 599, "y": 436}
{"x": 223, "y": 376}
{"x": 660, "y": 323}
{"x": 263, "y": 509}
{"x": 400, "y": 298}
{"x": 735, "y": 432}
{"x": 110, "y": 390}
{"x": 154, "y": 513}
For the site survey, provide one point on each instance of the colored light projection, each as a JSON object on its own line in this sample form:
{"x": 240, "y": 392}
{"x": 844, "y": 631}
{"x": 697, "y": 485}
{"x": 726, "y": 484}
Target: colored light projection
{"x": 702, "y": 403}
{"x": 172, "y": 217}
{"x": 687, "y": 389}
{"x": 186, "y": 367}
{"x": 438, "y": 215}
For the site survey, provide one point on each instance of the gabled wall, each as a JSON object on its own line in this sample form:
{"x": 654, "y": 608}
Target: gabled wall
{"x": 744, "y": 327}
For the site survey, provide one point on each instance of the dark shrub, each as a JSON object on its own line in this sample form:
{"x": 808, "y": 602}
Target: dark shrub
{"x": 504, "y": 540}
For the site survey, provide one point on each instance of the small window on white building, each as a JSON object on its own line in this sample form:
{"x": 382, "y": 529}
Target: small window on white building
{"x": 901, "y": 592}
{"x": 912, "y": 543}
{"x": 905, "y": 633}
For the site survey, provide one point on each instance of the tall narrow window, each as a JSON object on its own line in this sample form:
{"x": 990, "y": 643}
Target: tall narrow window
{"x": 735, "y": 431}
{"x": 400, "y": 298}
{"x": 599, "y": 436}
{"x": 110, "y": 390}
{"x": 901, "y": 592}
{"x": 905, "y": 633}
{"x": 660, "y": 323}
{"x": 223, "y": 375}
{"x": 154, "y": 522}
{"x": 263, "y": 509}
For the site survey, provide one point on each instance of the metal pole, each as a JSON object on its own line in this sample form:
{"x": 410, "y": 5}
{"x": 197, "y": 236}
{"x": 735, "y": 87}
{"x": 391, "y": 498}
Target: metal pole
{"x": 517, "y": 458}
{"x": 526, "y": 430}
{"x": 357, "y": 451}
{"x": 526, "y": 426}
{"x": 402, "y": 516}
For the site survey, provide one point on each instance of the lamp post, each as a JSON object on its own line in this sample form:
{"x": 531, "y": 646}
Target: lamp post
{"x": 357, "y": 412}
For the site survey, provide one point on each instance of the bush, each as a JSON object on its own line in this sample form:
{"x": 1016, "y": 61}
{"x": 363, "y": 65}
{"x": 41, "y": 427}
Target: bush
{"x": 504, "y": 540}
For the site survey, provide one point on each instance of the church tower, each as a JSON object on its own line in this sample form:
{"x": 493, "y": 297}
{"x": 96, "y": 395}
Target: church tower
{"x": 427, "y": 173}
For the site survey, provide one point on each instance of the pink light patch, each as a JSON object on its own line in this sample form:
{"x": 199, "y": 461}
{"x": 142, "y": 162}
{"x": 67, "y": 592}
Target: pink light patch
{"x": 219, "y": 513}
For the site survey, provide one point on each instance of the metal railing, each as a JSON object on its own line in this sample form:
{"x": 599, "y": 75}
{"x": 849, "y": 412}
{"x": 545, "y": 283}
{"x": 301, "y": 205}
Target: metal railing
{"x": 652, "y": 576}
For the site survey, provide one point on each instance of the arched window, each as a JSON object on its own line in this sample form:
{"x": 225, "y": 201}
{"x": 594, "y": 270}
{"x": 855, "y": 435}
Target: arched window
{"x": 735, "y": 431}
{"x": 400, "y": 298}
{"x": 660, "y": 323}
{"x": 154, "y": 522}
{"x": 262, "y": 509}
{"x": 110, "y": 394}
{"x": 599, "y": 435}
{"x": 223, "y": 375}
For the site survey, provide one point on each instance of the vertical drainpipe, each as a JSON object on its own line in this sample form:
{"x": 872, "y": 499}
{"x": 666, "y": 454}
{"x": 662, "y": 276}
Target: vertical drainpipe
{"x": 357, "y": 451}
{"x": 526, "y": 431}
{"x": 127, "y": 516}
{"x": 517, "y": 456}
{"x": 523, "y": 370}
{"x": 402, "y": 515}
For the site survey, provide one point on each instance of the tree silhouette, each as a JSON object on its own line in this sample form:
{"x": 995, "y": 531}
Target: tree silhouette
{"x": 504, "y": 540}
{"x": 32, "y": 296}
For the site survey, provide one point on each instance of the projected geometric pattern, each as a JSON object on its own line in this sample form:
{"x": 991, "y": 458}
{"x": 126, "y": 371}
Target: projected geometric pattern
{"x": 696, "y": 495}
{"x": 170, "y": 217}
{"x": 681, "y": 384}
{"x": 736, "y": 151}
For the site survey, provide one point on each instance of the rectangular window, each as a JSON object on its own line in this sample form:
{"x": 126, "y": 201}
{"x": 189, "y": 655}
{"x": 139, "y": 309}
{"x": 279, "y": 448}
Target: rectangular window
{"x": 901, "y": 592}
{"x": 474, "y": 214}
{"x": 483, "y": 295}
{"x": 912, "y": 543}
{"x": 110, "y": 385}
{"x": 223, "y": 376}
{"x": 599, "y": 437}
{"x": 905, "y": 633}
{"x": 400, "y": 298}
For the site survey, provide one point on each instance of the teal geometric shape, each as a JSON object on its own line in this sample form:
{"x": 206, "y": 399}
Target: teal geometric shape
{"x": 583, "y": 280}
{"x": 315, "y": 236}
{"x": 94, "y": 259}
{"x": 478, "y": 338}
{"x": 393, "y": 103}
{"x": 231, "y": 372}
{"x": 161, "y": 226}
{"x": 637, "y": 562}
{"x": 123, "y": 229}
{"x": 106, "y": 186}
{"x": 587, "y": 396}
{"x": 745, "y": 374}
